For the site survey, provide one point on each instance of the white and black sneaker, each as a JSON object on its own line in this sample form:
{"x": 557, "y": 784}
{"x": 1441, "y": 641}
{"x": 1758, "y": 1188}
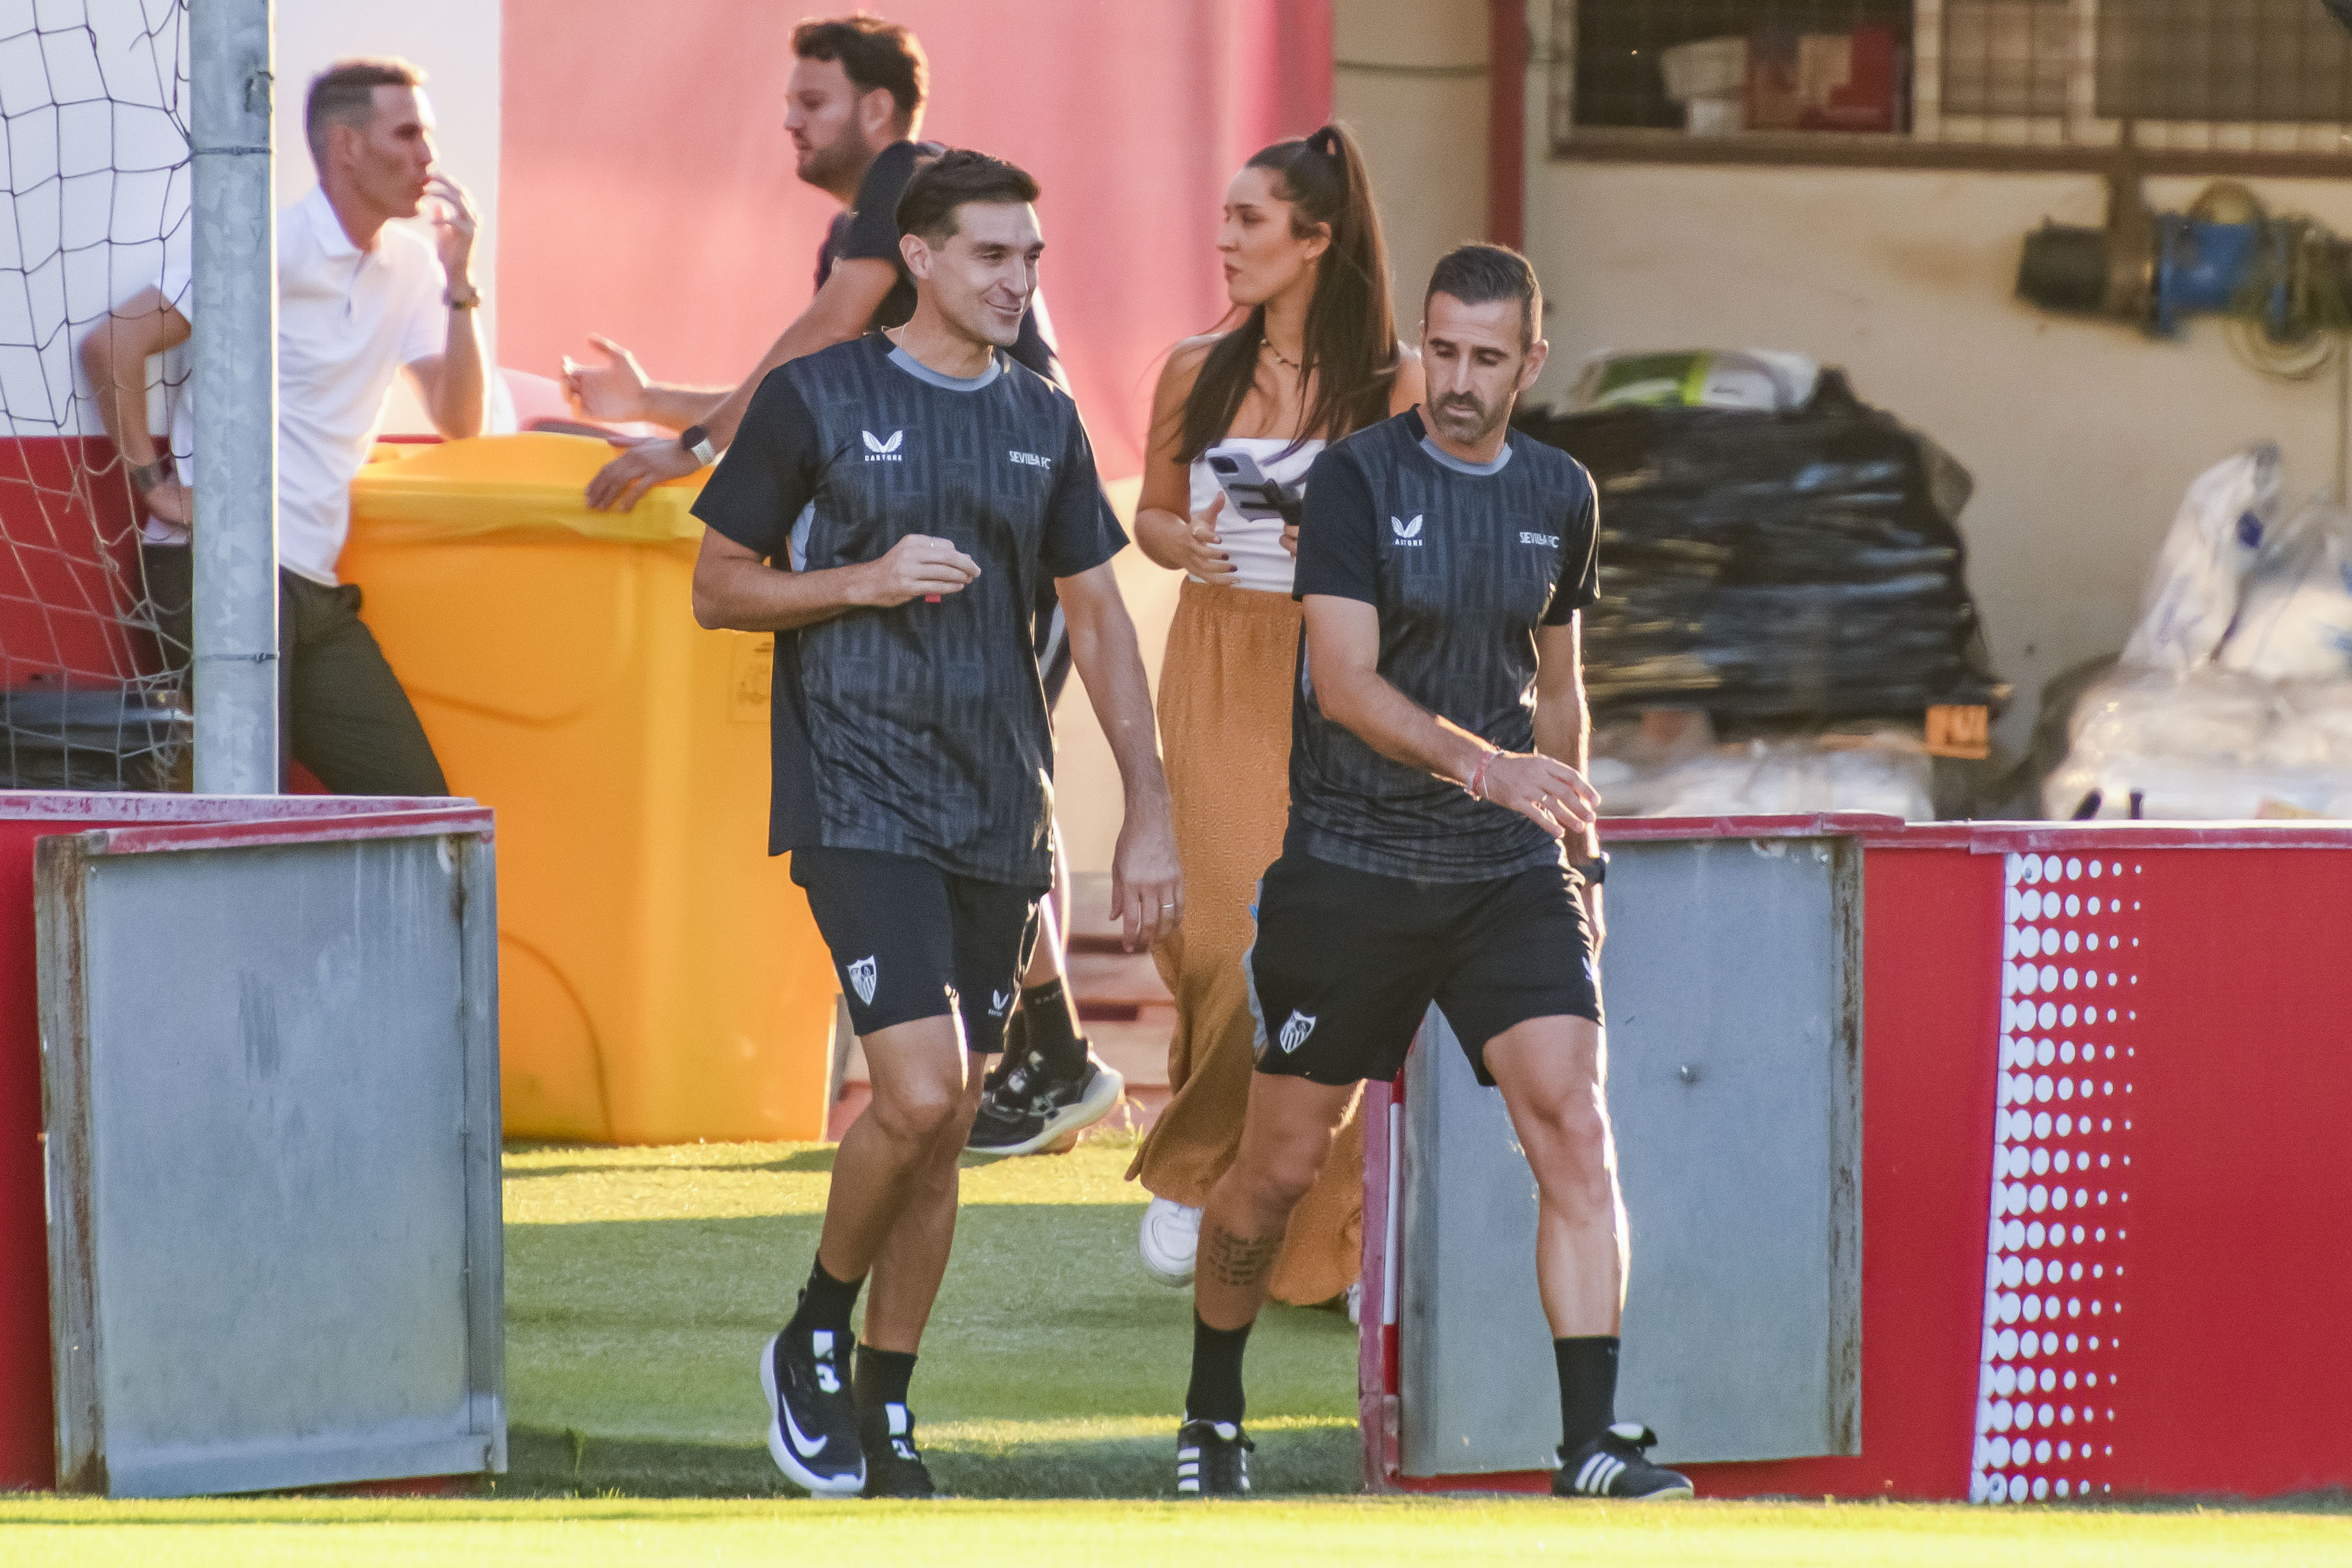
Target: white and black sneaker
{"x": 1616, "y": 1464}
{"x": 1026, "y": 1108}
{"x": 812, "y": 1420}
{"x": 894, "y": 1466}
{"x": 1213, "y": 1459}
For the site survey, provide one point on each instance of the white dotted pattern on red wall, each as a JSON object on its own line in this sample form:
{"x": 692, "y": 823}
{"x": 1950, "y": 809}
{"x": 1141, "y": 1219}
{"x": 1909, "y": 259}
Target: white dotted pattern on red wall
{"x": 2048, "y": 1391}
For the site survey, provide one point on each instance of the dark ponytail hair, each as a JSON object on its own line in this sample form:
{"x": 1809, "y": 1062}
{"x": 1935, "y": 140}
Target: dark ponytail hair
{"x": 1350, "y": 348}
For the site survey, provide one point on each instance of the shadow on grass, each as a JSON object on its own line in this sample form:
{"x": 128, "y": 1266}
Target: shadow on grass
{"x": 643, "y": 1336}
{"x": 817, "y": 1160}
{"x": 1313, "y": 1460}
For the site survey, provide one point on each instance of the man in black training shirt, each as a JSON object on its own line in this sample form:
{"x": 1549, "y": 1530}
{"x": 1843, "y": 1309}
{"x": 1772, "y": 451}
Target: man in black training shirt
{"x": 855, "y": 99}
{"x": 1436, "y": 782}
{"x": 890, "y": 509}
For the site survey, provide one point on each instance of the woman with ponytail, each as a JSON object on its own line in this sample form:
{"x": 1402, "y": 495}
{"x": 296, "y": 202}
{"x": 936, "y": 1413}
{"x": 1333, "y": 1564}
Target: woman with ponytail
{"x": 1314, "y": 357}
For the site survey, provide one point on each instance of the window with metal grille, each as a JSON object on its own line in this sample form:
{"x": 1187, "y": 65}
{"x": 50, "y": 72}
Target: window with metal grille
{"x": 1638, "y": 61}
{"x": 2192, "y": 82}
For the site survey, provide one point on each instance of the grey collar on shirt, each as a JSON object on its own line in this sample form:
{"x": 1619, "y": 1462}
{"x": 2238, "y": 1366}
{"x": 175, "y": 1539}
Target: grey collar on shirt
{"x": 923, "y": 372}
{"x": 1475, "y": 470}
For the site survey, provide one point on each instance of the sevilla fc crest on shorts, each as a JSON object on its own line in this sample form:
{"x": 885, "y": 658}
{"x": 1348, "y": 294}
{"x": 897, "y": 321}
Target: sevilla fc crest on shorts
{"x": 1295, "y": 1029}
{"x": 861, "y": 978}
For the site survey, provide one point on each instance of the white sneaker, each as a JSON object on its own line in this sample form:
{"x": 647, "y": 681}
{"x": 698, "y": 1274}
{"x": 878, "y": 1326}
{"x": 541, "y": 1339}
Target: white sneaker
{"x": 1170, "y": 1236}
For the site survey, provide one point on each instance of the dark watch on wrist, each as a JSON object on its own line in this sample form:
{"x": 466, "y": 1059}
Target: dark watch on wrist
{"x": 696, "y": 441}
{"x": 1595, "y": 870}
{"x": 145, "y": 476}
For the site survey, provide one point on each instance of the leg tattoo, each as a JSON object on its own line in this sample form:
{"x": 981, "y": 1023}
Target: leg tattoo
{"x": 1240, "y": 1261}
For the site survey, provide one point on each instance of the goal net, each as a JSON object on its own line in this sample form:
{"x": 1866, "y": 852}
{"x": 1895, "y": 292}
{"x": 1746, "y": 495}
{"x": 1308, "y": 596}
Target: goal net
{"x": 93, "y": 117}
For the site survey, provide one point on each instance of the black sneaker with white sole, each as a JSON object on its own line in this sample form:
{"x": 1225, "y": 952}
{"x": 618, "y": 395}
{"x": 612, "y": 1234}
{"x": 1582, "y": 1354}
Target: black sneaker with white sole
{"x": 894, "y": 1466}
{"x": 1211, "y": 1459}
{"x": 812, "y": 1420}
{"x": 1616, "y": 1464}
{"x": 1028, "y": 1108}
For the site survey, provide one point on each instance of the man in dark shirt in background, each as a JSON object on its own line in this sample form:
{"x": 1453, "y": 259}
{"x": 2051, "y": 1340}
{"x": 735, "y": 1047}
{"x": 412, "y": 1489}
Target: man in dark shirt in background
{"x": 856, "y": 99}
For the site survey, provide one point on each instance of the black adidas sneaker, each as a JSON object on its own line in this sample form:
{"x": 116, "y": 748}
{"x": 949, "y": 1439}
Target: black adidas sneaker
{"x": 1213, "y": 1459}
{"x": 894, "y": 1466}
{"x": 1028, "y": 1109}
{"x": 812, "y": 1421}
{"x": 1616, "y": 1464}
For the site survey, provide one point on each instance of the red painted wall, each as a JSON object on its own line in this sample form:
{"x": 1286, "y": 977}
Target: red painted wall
{"x": 646, "y": 187}
{"x": 69, "y": 565}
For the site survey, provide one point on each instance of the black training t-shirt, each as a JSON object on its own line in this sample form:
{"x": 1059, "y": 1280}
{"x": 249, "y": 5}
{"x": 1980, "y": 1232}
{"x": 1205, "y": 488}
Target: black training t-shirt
{"x": 868, "y": 231}
{"x": 1463, "y": 564}
{"x": 919, "y": 730}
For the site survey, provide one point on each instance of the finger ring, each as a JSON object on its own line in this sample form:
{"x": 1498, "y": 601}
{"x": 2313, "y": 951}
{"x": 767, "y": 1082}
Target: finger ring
{"x": 1170, "y": 905}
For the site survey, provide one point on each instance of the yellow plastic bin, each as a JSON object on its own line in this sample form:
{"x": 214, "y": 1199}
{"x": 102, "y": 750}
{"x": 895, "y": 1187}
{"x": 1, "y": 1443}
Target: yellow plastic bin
{"x": 660, "y": 978}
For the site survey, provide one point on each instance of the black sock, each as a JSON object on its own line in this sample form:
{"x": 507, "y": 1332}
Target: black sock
{"x": 1216, "y": 1393}
{"x": 825, "y": 1304}
{"x": 1588, "y": 1387}
{"x": 1052, "y": 1030}
{"x": 881, "y": 1376}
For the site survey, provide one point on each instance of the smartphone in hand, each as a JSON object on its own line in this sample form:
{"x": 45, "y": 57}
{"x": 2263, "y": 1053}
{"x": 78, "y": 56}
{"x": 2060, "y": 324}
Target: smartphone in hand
{"x": 1248, "y": 492}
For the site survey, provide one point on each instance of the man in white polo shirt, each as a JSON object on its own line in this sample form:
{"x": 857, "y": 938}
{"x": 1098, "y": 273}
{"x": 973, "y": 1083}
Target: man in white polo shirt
{"x": 359, "y": 299}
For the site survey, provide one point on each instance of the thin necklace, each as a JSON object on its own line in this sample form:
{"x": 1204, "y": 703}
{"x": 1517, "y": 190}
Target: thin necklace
{"x": 1268, "y": 344}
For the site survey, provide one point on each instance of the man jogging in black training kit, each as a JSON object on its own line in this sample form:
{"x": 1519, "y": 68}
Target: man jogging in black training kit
{"x": 855, "y": 102}
{"x": 888, "y": 509}
{"x": 1436, "y": 782}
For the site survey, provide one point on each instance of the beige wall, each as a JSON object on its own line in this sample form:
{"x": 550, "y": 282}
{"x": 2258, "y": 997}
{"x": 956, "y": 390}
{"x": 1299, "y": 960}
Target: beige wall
{"x": 1409, "y": 78}
{"x": 2081, "y": 434}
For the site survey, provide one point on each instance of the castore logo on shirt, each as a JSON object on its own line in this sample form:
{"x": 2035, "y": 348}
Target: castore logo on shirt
{"x": 1407, "y": 533}
{"x": 883, "y": 451}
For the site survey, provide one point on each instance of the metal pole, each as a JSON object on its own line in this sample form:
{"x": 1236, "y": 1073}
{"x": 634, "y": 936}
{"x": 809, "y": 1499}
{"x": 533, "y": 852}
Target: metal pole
{"x": 234, "y": 321}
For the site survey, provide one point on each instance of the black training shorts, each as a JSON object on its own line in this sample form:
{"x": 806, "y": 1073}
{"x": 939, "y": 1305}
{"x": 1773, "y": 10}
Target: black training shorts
{"x": 1346, "y": 962}
{"x": 910, "y": 941}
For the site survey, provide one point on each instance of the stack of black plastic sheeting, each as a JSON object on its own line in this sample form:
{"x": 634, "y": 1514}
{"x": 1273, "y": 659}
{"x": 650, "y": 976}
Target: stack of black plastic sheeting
{"x": 1805, "y": 564}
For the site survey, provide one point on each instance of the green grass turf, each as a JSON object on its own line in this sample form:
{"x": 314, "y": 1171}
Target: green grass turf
{"x": 583, "y": 1532}
{"x": 642, "y": 1282}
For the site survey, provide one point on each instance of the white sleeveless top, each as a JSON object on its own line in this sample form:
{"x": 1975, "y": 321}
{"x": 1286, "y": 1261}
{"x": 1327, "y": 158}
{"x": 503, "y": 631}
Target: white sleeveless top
{"x": 1260, "y": 563}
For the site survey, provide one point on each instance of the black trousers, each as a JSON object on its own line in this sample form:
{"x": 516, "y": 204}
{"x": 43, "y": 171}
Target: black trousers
{"x": 341, "y": 711}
